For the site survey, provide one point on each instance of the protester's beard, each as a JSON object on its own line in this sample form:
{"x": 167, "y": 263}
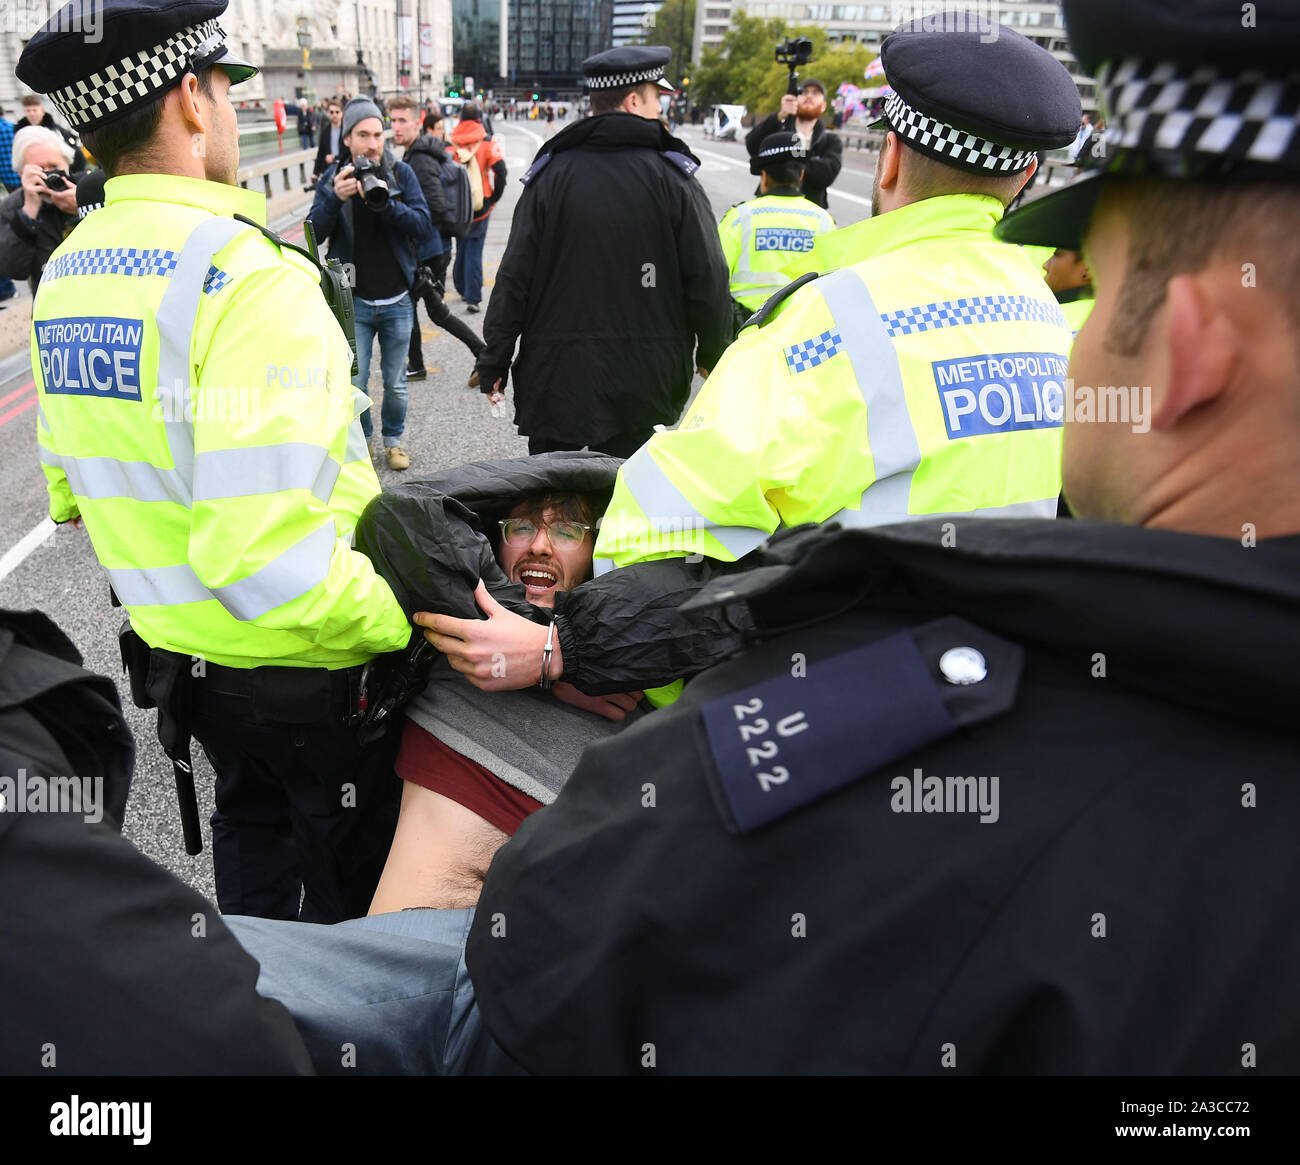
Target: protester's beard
{"x": 810, "y": 108}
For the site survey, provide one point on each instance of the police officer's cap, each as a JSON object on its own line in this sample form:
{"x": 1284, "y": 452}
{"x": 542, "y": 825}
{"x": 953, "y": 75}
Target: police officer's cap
{"x": 101, "y": 59}
{"x": 629, "y": 65}
{"x": 777, "y": 149}
{"x": 975, "y": 94}
{"x": 1190, "y": 88}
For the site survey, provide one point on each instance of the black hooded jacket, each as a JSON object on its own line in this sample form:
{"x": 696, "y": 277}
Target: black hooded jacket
{"x": 613, "y": 282}
{"x": 1122, "y": 902}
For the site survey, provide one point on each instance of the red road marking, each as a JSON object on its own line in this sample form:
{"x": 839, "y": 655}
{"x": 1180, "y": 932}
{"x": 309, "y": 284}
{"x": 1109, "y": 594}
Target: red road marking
{"x": 17, "y": 392}
{"x": 5, "y": 418}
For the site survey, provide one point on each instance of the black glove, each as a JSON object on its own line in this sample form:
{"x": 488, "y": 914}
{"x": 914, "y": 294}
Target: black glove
{"x": 390, "y": 681}
{"x": 487, "y": 378}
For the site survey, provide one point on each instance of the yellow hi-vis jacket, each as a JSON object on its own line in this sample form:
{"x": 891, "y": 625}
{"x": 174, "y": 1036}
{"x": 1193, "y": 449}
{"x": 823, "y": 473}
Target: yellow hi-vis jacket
{"x": 761, "y": 236}
{"x": 195, "y": 408}
{"x": 928, "y": 379}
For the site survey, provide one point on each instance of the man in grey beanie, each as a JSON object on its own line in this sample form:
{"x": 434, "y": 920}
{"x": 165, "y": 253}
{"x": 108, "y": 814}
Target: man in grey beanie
{"x": 378, "y": 235}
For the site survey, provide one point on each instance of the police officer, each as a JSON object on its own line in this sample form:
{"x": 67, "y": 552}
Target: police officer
{"x": 611, "y": 210}
{"x": 196, "y": 411}
{"x": 760, "y": 236}
{"x": 996, "y": 806}
{"x": 924, "y": 378}
{"x": 1066, "y": 272}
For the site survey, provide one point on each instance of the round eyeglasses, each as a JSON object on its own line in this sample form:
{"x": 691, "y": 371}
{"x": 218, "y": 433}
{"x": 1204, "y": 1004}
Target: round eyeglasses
{"x": 522, "y": 531}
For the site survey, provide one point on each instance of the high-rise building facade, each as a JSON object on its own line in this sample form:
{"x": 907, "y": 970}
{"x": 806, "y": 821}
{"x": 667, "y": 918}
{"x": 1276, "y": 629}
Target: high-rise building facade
{"x": 546, "y": 41}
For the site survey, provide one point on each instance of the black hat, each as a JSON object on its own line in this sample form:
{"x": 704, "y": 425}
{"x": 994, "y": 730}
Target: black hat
{"x": 975, "y": 94}
{"x": 777, "y": 149}
{"x": 1191, "y": 89}
{"x": 100, "y": 59}
{"x": 629, "y": 65}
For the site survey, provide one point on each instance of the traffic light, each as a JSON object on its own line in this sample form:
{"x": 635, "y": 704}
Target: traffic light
{"x": 454, "y": 93}
{"x": 534, "y": 96}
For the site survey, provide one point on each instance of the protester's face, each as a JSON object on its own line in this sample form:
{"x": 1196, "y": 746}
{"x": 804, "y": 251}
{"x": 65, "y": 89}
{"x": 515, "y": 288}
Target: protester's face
{"x": 405, "y": 126}
{"x": 1102, "y": 458}
{"x": 548, "y": 562}
{"x": 367, "y": 138}
{"x": 812, "y": 102}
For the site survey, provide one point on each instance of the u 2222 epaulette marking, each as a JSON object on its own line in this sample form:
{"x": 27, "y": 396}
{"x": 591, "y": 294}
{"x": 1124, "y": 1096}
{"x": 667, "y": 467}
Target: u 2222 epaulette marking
{"x": 790, "y": 740}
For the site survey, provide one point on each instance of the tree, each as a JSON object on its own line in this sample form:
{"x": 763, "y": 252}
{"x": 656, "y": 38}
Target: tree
{"x": 743, "y": 69}
{"x": 674, "y": 26}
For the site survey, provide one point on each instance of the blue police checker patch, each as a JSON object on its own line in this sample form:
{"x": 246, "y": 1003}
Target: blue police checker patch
{"x": 1001, "y": 393}
{"x": 809, "y": 353}
{"x": 783, "y": 239}
{"x": 787, "y": 741}
{"x": 90, "y": 356}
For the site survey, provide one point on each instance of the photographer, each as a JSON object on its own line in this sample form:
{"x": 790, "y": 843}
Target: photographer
{"x": 823, "y": 148}
{"x": 37, "y": 217}
{"x": 374, "y": 214}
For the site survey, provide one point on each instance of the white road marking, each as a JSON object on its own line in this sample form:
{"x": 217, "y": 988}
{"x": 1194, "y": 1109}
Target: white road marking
{"x": 16, "y": 554}
{"x": 851, "y": 197}
{"x": 723, "y": 159}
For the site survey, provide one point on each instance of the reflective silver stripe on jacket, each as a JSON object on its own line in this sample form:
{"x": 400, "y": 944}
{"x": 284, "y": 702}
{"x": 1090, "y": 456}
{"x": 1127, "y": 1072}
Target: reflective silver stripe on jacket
{"x": 264, "y": 469}
{"x": 895, "y": 449}
{"x": 668, "y": 511}
{"x": 98, "y": 478}
{"x": 176, "y": 317}
{"x": 283, "y": 579}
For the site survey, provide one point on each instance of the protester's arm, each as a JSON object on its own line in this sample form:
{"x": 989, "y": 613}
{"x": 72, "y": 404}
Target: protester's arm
{"x": 823, "y": 165}
{"x": 278, "y": 559}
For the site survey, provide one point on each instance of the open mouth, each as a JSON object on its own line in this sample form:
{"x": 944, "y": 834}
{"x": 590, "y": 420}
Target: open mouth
{"x": 538, "y": 580}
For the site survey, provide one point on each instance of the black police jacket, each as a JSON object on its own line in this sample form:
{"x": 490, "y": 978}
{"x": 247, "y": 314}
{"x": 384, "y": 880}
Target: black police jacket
{"x": 613, "y": 282}
{"x": 1025, "y": 804}
{"x": 109, "y": 964}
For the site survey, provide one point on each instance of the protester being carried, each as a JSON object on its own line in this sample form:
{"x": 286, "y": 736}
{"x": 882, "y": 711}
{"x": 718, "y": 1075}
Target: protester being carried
{"x": 476, "y": 764}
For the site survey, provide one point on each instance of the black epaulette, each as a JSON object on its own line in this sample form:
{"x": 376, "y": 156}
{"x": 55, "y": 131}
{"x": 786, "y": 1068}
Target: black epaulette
{"x": 278, "y": 240}
{"x": 686, "y": 164}
{"x": 764, "y": 313}
{"x": 536, "y": 167}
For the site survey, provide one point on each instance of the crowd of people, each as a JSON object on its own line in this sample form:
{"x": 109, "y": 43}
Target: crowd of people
{"x": 787, "y": 731}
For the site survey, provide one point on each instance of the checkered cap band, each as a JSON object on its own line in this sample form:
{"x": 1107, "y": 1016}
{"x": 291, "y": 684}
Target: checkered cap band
{"x": 793, "y": 151}
{"x": 949, "y": 144}
{"x": 1164, "y": 110}
{"x": 618, "y": 80}
{"x": 133, "y": 80}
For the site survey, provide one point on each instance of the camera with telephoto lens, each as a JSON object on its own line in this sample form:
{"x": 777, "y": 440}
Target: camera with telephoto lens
{"x": 56, "y": 180}
{"x": 373, "y": 188}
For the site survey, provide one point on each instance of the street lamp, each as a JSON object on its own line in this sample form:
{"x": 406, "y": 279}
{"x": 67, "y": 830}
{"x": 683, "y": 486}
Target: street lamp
{"x": 304, "y": 42}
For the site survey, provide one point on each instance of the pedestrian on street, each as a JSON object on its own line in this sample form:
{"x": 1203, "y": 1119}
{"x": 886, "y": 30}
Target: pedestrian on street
{"x": 424, "y": 152}
{"x": 824, "y": 147}
{"x": 196, "y": 413}
{"x": 611, "y": 210}
{"x": 471, "y": 140}
{"x": 10, "y": 179}
{"x": 306, "y": 127}
{"x": 377, "y": 234}
{"x": 332, "y": 148}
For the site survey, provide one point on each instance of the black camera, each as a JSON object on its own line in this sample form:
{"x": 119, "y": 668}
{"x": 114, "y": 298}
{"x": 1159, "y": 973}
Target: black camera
{"x": 795, "y": 52}
{"x": 56, "y": 180}
{"x": 373, "y": 188}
